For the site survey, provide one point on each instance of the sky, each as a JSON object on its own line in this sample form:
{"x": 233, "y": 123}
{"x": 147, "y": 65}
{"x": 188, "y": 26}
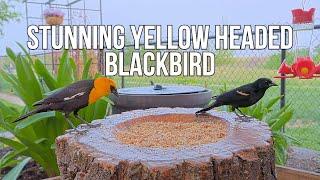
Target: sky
{"x": 174, "y": 12}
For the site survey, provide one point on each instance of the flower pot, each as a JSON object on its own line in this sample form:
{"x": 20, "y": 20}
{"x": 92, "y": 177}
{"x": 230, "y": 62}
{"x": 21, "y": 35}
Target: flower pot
{"x": 54, "y": 20}
{"x": 301, "y": 16}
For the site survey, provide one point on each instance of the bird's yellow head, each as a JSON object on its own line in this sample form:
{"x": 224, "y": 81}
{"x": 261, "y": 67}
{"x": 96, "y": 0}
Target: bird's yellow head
{"x": 102, "y": 87}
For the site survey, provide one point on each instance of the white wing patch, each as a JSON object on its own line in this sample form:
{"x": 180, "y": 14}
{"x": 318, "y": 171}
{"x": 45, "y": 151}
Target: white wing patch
{"x": 242, "y": 93}
{"x": 74, "y": 96}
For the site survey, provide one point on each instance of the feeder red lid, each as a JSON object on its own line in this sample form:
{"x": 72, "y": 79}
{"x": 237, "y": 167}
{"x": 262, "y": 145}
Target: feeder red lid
{"x": 301, "y": 16}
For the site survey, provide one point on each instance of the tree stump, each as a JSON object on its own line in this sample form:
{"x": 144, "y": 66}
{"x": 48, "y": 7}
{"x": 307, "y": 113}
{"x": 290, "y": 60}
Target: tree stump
{"x": 168, "y": 143}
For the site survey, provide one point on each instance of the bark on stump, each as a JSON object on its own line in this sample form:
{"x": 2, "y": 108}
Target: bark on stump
{"x": 246, "y": 152}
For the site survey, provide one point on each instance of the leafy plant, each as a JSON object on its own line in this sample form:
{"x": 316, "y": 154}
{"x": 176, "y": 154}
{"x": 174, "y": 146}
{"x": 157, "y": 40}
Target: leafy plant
{"x": 276, "y": 119}
{"x": 14, "y": 173}
{"x": 35, "y": 136}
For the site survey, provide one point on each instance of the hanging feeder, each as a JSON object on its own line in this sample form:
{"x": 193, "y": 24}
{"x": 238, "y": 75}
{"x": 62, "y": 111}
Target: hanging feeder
{"x": 303, "y": 67}
{"x": 301, "y": 16}
{"x": 53, "y": 17}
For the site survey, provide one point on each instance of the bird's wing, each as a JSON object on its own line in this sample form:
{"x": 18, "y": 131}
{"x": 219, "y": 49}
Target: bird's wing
{"x": 70, "y": 92}
{"x": 242, "y": 93}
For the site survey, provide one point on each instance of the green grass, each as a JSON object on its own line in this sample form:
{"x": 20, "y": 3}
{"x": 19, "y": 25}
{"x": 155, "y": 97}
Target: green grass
{"x": 308, "y": 135}
{"x": 11, "y": 105}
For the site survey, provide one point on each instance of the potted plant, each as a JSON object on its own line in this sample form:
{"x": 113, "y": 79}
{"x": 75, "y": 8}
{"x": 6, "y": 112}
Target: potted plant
{"x": 53, "y": 16}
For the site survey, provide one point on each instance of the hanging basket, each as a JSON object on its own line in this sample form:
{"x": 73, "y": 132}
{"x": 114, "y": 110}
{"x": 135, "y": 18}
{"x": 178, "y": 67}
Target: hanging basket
{"x": 54, "y": 20}
{"x": 53, "y": 16}
{"x": 301, "y": 16}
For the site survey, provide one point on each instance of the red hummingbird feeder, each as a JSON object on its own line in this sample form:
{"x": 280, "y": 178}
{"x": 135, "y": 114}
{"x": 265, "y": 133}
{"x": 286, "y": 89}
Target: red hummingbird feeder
{"x": 303, "y": 68}
{"x": 301, "y": 16}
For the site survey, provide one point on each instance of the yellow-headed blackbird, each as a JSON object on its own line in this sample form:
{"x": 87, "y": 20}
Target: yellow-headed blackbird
{"x": 243, "y": 96}
{"x": 75, "y": 97}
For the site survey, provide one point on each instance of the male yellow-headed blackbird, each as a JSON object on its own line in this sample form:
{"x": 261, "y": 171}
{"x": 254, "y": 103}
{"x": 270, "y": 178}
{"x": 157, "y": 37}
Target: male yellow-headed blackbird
{"x": 243, "y": 96}
{"x": 74, "y": 97}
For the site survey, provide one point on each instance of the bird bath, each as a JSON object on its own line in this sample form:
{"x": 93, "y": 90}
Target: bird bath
{"x": 155, "y": 144}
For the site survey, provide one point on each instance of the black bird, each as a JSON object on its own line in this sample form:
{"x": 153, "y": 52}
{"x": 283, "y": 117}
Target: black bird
{"x": 74, "y": 97}
{"x": 243, "y": 96}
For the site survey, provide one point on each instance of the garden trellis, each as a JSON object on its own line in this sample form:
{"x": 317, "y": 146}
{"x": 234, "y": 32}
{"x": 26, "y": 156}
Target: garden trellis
{"x": 75, "y": 12}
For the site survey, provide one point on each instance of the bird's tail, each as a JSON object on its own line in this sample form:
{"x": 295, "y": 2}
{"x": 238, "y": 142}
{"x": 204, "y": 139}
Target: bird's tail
{"x": 38, "y": 110}
{"x": 207, "y": 108}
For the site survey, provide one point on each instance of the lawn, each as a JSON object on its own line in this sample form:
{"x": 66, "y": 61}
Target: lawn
{"x": 306, "y": 133}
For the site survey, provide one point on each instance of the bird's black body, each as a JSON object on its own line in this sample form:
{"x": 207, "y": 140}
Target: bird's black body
{"x": 243, "y": 96}
{"x": 69, "y": 99}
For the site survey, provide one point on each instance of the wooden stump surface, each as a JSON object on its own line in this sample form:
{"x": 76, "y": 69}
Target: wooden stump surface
{"x": 95, "y": 152}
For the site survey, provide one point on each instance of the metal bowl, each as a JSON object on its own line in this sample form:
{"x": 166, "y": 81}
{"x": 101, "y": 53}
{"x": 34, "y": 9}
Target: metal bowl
{"x": 161, "y": 96}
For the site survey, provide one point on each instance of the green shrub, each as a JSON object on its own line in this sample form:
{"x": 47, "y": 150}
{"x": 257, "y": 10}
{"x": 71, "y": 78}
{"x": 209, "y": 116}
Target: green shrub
{"x": 35, "y": 136}
{"x": 276, "y": 118}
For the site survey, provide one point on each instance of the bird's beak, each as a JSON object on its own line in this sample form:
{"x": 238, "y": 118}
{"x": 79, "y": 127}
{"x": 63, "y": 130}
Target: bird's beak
{"x": 115, "y": 92}
{"x": 273, "y": 84}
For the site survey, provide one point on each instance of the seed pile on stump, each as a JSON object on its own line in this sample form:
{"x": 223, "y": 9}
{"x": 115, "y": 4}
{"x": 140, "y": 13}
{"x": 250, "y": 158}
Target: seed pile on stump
{"x": 168, "y": 143}
{"x": 171, "y": 130}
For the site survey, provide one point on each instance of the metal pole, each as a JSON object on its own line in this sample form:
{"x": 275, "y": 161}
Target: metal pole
{"x": 122, "y": 77}
{"x": 283, "y": 82}
{"x": 84, "y": 12}
{"x": 100, "y": 8}
{"x": 27, "y": 18}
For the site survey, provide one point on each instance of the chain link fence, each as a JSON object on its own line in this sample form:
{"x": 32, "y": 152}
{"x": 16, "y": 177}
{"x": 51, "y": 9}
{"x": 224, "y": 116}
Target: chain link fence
{"x": 237, "y": 67}
{"x": 232, "y": 68}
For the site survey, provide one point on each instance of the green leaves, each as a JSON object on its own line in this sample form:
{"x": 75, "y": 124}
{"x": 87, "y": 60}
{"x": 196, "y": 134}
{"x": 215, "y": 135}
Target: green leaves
{"x": 33, "y": 119}
{"x": 25, "y": 83}
{"x": 35, "y": 136}
{"x": 276, "y": 119}
{"x": 15, "y": 172}
{"x": 282, "y": 120}
{"x": 11, "y": 54}
{"x": 43, "y": 72}
{"x": 9, "y": 159}
{"x": 87, "y": 63}
{"x": 65, "y": 72}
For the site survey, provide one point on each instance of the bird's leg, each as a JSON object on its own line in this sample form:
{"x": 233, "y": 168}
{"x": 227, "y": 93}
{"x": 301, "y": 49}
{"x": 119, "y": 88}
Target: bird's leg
{"x": 242, "y": 114}
{"x": 202, "y": 114}
{"x": 243, "y": 117}
{"x": 75, "y": 113}
{"x": 239, "y": 116}
{"x": 69, "y": 121}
